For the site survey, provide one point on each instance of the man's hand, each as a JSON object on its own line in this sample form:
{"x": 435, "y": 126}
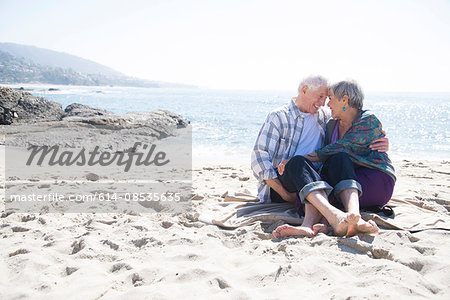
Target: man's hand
{"x": 281, "y": 166}
{"x": 380, "y": 144}
{"x": 276, "y": 185}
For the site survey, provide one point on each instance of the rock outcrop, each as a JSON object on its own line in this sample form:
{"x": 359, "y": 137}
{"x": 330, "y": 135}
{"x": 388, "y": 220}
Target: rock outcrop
{"x": 158, "y": 123}
{"x": 42, "y": 122}
{"x": 26, "y": 108}
{"x": 80, "y": 110}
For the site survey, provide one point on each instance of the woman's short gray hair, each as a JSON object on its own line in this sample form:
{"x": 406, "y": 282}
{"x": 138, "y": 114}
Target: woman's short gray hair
{"x": 313, "y": 82}
{"x": 352, "y": 90}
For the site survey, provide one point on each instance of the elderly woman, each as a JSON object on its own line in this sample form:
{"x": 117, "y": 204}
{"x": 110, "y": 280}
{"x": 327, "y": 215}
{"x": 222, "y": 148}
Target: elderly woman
{"x": 359, "y": 176}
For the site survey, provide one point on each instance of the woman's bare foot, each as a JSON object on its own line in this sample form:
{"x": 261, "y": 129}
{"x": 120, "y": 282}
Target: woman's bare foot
{"x": 344, "y": 222}
{"x": 288, "y": 230}
{"x": 351, "y": 230}
{"x": 368, "y": 227}
{"x": 362, "y": 226}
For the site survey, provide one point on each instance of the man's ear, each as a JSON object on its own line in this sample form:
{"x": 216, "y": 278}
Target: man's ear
{"x": 304, "y": 89}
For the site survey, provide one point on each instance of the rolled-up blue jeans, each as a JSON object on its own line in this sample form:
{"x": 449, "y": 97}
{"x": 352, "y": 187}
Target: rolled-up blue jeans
{"x": 301, "y": 177}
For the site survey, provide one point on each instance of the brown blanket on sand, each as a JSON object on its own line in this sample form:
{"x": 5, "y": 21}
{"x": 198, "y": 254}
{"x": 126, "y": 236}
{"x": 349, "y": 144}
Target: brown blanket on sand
{"x": 410, "y": 215}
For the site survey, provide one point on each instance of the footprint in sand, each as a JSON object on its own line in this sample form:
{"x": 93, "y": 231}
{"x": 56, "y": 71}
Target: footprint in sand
{"x": 6, "y": 214}
{"x": 356, "y": 246}
{"x": 136, "y": 279}
{"x": 71, "y": 270}
{"x": 28, "y": 218}
{"x": 222, "y": 283}
{"x": 414, "y": 264}
{"x": 166, "y": 224}
{"x": 77, "y": 246}
{"x": 141, "y": 228}
{"x": 19, "y": 229}
{"x": 382, "y": 253}
{"x": 424, "y": 250}
{"x": 119, "y": 266}
{"x": 141, "y": 242}
{"x": 110, "y": 244}
{"x": 20, "y": 251}
{"x": 50, "y": 244}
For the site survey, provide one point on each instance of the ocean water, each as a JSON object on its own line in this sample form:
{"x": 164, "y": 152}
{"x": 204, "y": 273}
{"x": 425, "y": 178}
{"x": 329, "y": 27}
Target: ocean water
{"x": 226, "y": 123}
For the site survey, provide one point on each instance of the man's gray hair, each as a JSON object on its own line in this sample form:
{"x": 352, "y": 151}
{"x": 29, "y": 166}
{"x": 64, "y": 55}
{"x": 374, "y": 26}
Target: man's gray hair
{"x": 313, "y": 82}
{"x": 352, "y": 90}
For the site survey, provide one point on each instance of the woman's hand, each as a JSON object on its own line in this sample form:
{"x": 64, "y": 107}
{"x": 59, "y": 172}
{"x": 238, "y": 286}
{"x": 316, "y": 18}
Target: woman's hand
{"x": 282, "y": 165}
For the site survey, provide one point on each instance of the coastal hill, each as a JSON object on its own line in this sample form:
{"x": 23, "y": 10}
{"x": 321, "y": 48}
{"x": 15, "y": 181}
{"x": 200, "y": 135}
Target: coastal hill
{"x": 29, "y": 64}
{"x": 56, "y": 59}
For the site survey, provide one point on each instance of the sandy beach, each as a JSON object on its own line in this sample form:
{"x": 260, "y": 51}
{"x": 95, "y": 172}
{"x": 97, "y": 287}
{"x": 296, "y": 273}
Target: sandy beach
{"x": 214, "y": 243}
{"x": 126, "y": 137}
{"x": 170, "y": 256}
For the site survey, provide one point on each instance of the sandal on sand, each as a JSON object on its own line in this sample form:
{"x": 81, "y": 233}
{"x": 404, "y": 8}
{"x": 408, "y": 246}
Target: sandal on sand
{"x": 387, "y": 210}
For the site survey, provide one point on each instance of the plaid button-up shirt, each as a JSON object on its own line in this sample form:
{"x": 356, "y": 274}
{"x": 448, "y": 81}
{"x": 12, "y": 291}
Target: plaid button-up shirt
{"x": 277, "y": 140}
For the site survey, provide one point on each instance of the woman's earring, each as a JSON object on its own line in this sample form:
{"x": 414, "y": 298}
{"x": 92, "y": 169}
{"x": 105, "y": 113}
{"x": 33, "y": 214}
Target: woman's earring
{"x": 344, "y": 109}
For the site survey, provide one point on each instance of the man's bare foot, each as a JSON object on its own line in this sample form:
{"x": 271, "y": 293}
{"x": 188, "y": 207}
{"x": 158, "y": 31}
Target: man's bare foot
{"x": 288, "y": 230}
{"x": 347, "y": 220}
{"x": 320, "y": 228}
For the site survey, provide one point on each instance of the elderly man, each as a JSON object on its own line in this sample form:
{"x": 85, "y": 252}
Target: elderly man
{"x": 292, "y": 130}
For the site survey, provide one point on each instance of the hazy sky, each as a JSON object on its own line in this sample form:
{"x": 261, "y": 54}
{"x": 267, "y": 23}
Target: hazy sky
{"x": 396, "y": 45}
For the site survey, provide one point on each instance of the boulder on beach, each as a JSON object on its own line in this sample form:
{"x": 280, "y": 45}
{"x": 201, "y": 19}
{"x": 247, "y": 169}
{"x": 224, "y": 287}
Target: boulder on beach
{"x": 159, "y": 123}
{"x": 80, "y": 110}
{"x": 38, "y": 121}
{"x": 22, "y": 107}
{"x": 19, "y": 106}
